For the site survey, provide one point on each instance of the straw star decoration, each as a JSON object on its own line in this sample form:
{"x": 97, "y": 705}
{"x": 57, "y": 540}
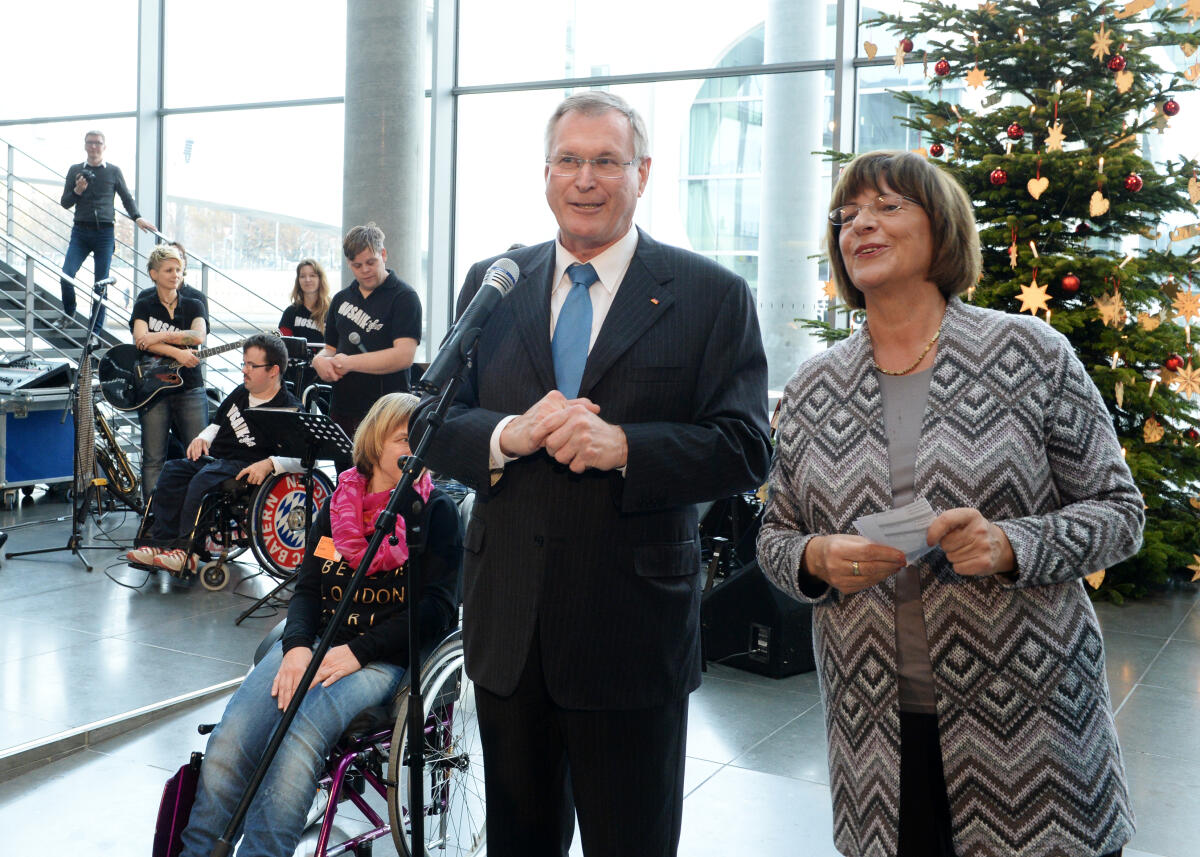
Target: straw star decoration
{"x": 1194, "y": 568}
{"x": 829, "y": 289}
{"x": 1188, "y": 381}
{"x": 1187, "y": 305}
{"x": 976, "y": 77}
{"x": 1192, "y": 9}
{"x": 1102, "y": 42}
{"x": 1033, "y": 298}
{"x": 1112, "y": 309}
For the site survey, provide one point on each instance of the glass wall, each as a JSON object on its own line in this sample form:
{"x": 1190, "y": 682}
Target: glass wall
{"x": 552, "y": 39}
{"x": 68, "y": 58}
{"x": 252, "y": 192}
{"x": 234, "y": 52}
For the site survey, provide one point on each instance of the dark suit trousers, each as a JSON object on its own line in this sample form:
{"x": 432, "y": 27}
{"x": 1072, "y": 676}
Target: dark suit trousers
{"x": 620, "y": 771}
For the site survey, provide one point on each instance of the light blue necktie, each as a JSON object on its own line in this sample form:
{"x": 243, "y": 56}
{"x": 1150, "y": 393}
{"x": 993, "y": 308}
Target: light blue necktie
{"x": 573, "y": 331}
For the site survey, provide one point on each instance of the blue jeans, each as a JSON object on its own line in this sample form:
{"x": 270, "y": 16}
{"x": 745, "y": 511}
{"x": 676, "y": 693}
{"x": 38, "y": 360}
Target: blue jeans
{"x": 84, "y": 240}
{"x": 186, "y": 410}
{"x": 275, "y": 821}
{"x": 181, "y": 487}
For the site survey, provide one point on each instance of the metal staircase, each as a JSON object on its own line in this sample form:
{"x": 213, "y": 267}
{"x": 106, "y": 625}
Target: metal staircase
{"x": 34, "y": 234}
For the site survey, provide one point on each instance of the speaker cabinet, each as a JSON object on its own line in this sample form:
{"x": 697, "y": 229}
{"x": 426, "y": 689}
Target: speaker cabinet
{"x": 749, "y": 623}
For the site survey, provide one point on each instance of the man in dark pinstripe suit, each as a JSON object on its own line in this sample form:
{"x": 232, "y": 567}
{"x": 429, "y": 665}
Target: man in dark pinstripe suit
{"x": 582, "y": 592}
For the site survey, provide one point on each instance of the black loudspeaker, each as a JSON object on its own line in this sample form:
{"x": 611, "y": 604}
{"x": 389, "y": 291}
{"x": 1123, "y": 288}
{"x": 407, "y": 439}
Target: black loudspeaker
{"x": 749, "y": 623}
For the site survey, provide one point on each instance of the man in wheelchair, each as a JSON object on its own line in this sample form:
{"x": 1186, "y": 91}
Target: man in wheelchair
{"x": 364, "y": 668}
{"x": 229, "y": 447}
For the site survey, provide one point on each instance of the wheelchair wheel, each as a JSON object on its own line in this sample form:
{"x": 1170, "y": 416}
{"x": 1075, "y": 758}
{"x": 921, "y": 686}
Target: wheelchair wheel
{"x": 277, "y": 520}
{"x": 214, "y": 575}
{"x": 453, "y": 784}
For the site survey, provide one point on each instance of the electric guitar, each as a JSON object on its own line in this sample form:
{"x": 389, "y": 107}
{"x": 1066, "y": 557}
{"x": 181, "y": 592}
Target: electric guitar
{"x": 130, "y": 378}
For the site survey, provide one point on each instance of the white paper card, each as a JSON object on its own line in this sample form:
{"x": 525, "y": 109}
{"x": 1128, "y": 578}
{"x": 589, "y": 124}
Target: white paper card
{"x": 903, "y": 528}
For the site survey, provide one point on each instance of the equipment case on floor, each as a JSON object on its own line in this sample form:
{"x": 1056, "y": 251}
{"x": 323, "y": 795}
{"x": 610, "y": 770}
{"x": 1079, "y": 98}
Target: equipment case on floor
{"x": 37, "y": 447}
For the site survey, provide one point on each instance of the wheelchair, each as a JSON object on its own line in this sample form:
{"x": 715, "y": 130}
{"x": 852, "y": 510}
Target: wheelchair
{"x": 268, "y": 519}
{"x": 367, "y": 768}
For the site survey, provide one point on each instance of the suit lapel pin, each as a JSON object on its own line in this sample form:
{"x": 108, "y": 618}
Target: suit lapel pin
{"x": 654, "y": 301}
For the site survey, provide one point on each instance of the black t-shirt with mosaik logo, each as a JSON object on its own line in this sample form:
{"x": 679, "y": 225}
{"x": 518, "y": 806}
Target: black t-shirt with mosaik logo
{"x": 150, "y": 309}
{"x": 237, "y": 438}
{"x": 391, "y": 311}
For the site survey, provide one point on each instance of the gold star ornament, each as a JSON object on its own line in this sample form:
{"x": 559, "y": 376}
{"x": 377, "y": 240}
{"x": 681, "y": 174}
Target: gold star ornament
{"x": 1192, "y": 9}
{"x": 1055, "y": 138}
{"x": 976, "y": 78}
{"x": 1112, "y": 309}
{"x": 1033, "y": 298}
{"x": 1095, "y": 578}
{"x": 1187, "y": 381}
{"x": 1102, "y": 42}
{"x": 1194, "y": 568}
{"x": 1187, "y": 305}
{"x": 829, "y": 289}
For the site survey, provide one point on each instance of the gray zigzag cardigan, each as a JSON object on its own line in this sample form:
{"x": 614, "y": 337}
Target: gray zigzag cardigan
{"x": 1014, "y": 427}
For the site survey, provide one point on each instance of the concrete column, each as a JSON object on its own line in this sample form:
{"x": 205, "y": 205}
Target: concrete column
{"x": 385, "y": 91}
{"x": 148, "y": 168}
{"x": 792, "y": 196}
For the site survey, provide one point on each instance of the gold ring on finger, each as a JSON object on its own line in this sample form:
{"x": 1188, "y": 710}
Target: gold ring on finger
{"x": 854, "y": 568}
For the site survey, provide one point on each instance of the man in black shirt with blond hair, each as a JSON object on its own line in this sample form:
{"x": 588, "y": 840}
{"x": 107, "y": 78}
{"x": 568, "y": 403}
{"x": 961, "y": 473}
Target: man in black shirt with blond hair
{"x": 89, "y": 189}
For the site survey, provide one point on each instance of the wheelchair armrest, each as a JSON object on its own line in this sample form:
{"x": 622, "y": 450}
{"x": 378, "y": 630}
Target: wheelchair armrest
{"x": 233, "y": 485}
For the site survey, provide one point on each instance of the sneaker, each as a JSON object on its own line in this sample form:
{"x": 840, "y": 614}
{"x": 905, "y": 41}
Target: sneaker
{"x": 143, "y": 555}
{"x": 62, "y": 322}
{"x": 177, "y": 561}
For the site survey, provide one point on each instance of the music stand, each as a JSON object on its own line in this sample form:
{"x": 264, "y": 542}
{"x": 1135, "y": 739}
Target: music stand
{"x": 306, "y": 436}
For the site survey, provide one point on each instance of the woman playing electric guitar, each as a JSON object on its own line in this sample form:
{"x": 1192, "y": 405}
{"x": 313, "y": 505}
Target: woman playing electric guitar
{"x": 166, "y": 324}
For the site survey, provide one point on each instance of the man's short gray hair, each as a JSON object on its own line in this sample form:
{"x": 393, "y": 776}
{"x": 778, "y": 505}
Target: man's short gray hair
{"x": 95, "y": 133}
{"x": 595, "y": 102}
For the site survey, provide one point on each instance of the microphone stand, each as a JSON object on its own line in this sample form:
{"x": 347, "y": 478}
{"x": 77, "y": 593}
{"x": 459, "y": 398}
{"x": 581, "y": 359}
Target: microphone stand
{"x": 415, "y": 535}
{"x": 81, "y": 497}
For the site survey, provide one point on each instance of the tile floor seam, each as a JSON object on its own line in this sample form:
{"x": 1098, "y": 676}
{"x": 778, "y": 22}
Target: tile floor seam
{"x": 1137, "y": 682}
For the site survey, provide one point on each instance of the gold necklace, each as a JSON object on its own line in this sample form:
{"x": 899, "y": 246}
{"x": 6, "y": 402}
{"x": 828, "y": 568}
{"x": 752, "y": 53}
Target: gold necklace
{"x": 914, "y": 364}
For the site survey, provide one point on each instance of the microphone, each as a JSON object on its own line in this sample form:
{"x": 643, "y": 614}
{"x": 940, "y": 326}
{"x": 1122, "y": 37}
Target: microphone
{"x": 107, "y": 281}
{"x": 497, "y": 282}
{"x": 357, "y": 342}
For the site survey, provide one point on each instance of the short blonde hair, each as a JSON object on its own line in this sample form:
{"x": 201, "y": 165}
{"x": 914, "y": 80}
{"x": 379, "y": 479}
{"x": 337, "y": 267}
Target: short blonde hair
{"x": 162, "y": 253}
{"x": 389, "y": 413}
{"x": 954, "y": 259}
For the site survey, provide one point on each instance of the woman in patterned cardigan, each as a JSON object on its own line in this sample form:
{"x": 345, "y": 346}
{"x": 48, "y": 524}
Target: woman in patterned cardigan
{"x": 965, "y": 697}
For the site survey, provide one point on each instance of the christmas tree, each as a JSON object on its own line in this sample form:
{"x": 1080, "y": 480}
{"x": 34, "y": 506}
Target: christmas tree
{"x": 1048, "y": 136}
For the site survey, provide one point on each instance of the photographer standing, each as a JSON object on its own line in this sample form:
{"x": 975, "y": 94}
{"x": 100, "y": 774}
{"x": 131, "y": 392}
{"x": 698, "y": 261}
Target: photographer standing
{"x": 89, "y": 189}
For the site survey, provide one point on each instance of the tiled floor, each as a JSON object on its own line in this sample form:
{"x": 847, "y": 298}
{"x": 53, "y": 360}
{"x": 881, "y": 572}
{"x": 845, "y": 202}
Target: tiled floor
{"x": 77, "y": 647}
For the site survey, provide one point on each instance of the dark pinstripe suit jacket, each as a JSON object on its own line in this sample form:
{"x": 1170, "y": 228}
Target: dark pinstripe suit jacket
{"x": 605, "y": 566}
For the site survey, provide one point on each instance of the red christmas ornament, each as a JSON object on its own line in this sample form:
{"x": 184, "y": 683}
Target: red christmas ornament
{"x": 942, "y": 68}
{"x": 1082, "y": 228}
{"x": 1133, "y": 183}
{"x": 937, "y": 149}
{"x": 998, "y": 177}
{"x": 906, "y": 45}
{"x": 1116, "y": 63}
{"x": 1173, "y": 362}
{"x": 1192, "y": 435}
{"x": 1170, "y": 107}
{"x": 1070, "y": 283}
{"x": 1015, "y": 131}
